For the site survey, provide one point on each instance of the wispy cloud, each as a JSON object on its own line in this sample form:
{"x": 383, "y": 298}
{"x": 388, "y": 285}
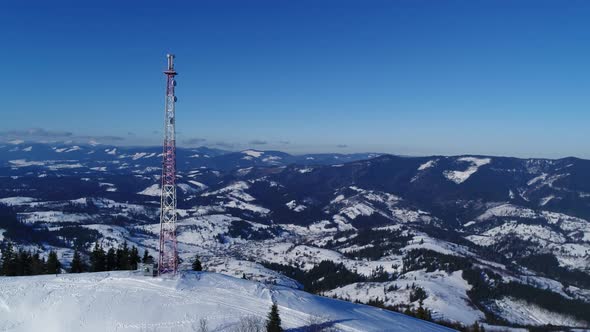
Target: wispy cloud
{"x": 257, "y": 142}
{"x": 35, "y": 133}
{"x": 285, "y": 142}
{"x": 225, "y": 145}
{"x": 42, "y": 135}
{"x": 194, "y": 141}
{"x": 341, "y": 146}
{"x": 99, "y": 138}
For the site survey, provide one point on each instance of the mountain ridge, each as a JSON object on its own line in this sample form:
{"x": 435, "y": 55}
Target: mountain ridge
{"x": 476, "y": 225}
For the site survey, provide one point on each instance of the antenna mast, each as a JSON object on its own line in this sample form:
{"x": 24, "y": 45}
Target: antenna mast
{"x": 168, "y": 261}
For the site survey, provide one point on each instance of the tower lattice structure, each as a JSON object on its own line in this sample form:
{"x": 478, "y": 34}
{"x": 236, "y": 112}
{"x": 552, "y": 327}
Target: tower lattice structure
{"x": 168, "y": 260}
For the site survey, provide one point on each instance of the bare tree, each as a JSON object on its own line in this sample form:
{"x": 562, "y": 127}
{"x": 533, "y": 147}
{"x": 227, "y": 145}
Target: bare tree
{"x": 249, "y": 324}
{"x": 317, "y": 323}
{"x": 203, "y": 325}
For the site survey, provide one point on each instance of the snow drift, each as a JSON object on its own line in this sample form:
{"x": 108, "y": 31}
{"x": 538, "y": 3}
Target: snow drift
{"x": 127, "y": 301}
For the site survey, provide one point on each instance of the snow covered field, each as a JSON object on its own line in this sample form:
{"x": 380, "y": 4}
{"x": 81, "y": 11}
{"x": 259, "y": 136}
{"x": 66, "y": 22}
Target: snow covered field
{"x": 127, "y": 301}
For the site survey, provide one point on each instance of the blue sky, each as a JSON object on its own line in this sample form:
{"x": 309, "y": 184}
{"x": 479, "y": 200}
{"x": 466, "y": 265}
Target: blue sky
{"x": 408, "y": 77}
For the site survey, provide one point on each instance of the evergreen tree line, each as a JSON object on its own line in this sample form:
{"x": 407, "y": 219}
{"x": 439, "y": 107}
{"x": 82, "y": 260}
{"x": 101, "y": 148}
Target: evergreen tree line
{"x": 327, "y": 275}
{"x": 25, "y": 263}
{"x": 122, "y": 258}
{"x": 487, "y": 285}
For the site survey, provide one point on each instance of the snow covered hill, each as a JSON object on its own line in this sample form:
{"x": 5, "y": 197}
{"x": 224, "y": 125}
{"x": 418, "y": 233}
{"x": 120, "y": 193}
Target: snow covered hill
{"x": 127, "y": 301}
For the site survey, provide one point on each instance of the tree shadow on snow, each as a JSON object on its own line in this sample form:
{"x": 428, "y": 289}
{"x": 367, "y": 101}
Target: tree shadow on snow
{"x": 317, "y": 327}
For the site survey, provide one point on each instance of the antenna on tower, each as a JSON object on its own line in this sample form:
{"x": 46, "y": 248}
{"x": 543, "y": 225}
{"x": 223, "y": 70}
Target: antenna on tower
{"x": 168, "y": 260}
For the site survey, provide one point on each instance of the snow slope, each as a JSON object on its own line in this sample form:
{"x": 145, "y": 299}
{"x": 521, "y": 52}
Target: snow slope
{"x": 153, "y": 190}
{"x": 126, "y": 301}
{"x": 461, "y": 176}
{"x": 442, "y": 289}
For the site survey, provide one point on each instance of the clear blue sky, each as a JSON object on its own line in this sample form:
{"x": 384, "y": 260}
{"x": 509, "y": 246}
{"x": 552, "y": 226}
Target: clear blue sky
{"x": 408, "y": 77}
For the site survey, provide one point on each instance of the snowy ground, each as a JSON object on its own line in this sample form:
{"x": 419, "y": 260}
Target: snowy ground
{"x": 442, "y": 289}
{"x": 126, "y": 301}
{"x": 525, "y": 313}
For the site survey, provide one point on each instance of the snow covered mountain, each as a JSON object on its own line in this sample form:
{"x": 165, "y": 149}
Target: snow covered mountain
{"x": 126, "y": 301}
{"x": 116, "y": 157}
{"x": 473, "y": 238}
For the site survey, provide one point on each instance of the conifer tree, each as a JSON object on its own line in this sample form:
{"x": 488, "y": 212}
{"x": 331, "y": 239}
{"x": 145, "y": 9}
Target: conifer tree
{"x": 77, "y": 265}
{"x": 97, "y": 259}
{"x": 423, "y": 313}
{"x": 197, "y": 264}
{"x": 37, "y": 264}
{"x": 133, "y": 258}
{"x": 111, "y": 260}
{"x": 273, "y": 323}
{"x": 53, "y": 265}
{"x": 24, "y": 262}
{"x": 122, "y": 257}
{"x": 408, "y": 312}
{"x": 9, "y": 264}
{"x": 147, "y": 258}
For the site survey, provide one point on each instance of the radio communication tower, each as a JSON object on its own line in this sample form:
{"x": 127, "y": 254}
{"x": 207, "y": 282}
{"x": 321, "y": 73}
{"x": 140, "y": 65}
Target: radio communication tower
{"x": 168, "y": 260}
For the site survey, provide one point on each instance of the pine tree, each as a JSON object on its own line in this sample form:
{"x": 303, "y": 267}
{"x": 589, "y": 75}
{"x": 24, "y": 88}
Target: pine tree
{"x": 197, "y": 264}
{"x": 134, "y": 258}
{"x": 408, "y": 312}
{"x": 122, "y": 257}
{"x": 9, "y": 261}
{"x": 273, "y": 323}
{"x": 53, "y": 265}
{"x": 423, "y": 313}
{"x": 97, "y": 259}
{"x": 147, "y": 258}
{"x": 23, "y": 261}
{"x": 125, "y": 264}
{"x": 111, "y": 260}
{"x": 77, "y": 265}
{"x": 37, "y": 264}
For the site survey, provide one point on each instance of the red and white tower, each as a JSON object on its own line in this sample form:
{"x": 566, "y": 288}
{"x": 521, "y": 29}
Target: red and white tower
{"x": 168, "y": 261}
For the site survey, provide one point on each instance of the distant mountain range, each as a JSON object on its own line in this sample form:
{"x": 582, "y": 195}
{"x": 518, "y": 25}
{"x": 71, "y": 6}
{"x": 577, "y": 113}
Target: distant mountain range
{"x": 186, "y": 157}
{"x": 495, "y": 239}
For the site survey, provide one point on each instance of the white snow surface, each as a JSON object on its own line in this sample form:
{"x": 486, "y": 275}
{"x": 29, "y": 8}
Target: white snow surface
{"x": 253, "y": 153}
{"x": 12, "y": 201}
{"x": 461, "y": 176}
{"x": 127, "y": 301}
{"x": 200, "y": 185}
{"x": 24, "y": 163}
{"x": 295, "y": 207}
{"x": 441, "y": 288}
{"x": 52, "y": 217}
{"x": 427, "y": 165}
{"x": 153, "y": 190}
{"x": 522, "y": 312}
{"x": 546, "y": 200}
